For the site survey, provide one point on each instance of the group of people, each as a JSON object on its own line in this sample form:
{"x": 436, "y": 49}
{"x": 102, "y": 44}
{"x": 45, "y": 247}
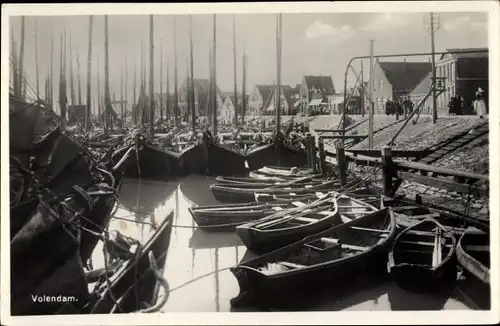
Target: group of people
{"x": 403, "y": 106}
{"x": 457, "y": 105}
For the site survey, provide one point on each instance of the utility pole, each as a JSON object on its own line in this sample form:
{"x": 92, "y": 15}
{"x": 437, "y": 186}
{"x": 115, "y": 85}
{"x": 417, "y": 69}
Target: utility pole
{"x": 432, "y": 25}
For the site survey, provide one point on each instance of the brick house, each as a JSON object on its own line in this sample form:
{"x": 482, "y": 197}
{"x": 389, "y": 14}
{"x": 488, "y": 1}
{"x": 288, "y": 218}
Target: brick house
{"x": 314, "y": 91}
{"x": 391, "y": 80}
{"x": 464, "y": 73}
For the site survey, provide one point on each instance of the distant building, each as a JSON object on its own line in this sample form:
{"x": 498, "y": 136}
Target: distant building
{"x": 228, "y": 109}
{"x": 259, "y": 96}
{"x": 287, "y": 101}
{"x": 395, "y": 79}
{"x": 201, "y": 94}
{"x": 314, "y": 91}
{"x": 464, "y": 73}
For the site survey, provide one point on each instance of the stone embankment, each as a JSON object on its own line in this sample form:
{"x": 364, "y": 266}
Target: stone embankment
{"x": 473, "y": 157}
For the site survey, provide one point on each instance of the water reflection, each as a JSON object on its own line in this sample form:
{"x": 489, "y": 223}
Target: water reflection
{"x": 198, "y": 262}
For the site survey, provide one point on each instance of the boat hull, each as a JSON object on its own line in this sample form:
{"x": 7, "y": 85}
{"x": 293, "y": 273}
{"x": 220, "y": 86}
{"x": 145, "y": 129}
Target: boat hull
{"x": 258, "y": 288}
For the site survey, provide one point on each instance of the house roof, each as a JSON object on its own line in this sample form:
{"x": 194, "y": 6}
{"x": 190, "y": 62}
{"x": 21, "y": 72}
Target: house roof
{"x": 323, "y": 83}
{"x": 288, "y": 92}
{"x": 457, "y": 53}
{"x": 231, "y": 98}
{"x": 202, "y": 85}
{"x": 404, "y": 76}
{"x": 423, "y": 86}
{"x": 265, "y": 91}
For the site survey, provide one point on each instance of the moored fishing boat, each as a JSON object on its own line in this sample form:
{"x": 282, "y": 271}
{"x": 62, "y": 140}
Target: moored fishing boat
{"x": 244, "y": 195}
{"x": 134, "y": 281}
{"x": 228, "y": 216}
{"x": 473, "y": 254}
{"x": 339, "y": 253}
{"x": 423, "y": 257}
{"x": 291, "y": 225}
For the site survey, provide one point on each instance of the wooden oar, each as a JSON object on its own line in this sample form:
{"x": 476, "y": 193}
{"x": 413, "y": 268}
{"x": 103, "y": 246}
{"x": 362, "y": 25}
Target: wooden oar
{"x": 289, "y": 217}
{"x": 292, "y": 182}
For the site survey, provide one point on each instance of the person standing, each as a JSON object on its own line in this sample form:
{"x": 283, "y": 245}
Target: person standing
{"x": 479, "y": 104}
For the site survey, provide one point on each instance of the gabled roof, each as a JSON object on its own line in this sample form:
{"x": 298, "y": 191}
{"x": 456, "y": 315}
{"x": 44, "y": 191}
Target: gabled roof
{"x": 323, "y": 83}
{"x": 202, "y": 85}
{"x": 288, "y": 92}
{"x": 404, "y": 76}
{"x": 265, "y": 91}
{"x": 231, "y": 98}
{"x": 456, "y": 53}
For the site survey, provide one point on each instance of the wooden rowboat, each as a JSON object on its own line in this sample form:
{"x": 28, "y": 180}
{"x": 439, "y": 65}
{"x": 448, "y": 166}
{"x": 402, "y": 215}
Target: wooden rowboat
{"x": 339, "y": 253}
{"x": 473, "y": 254}
{"x": 227, "y": 217}
{"x": 291, "y": 225}
{"x": 244, "y": 195}
{"x": 136, "y": 272}
{"x": 422, "y": 258}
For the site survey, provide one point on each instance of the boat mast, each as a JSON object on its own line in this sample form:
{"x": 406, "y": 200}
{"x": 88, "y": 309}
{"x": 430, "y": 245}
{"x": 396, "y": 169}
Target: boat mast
{"x": 79, "y": 74}
{"x": 134, "y": 106}
{"x": 151, "y": 77}
{"x": 167, "y": 109}
{"x": 51, "y": 75}
{"x": 36, "y": 62}
{"x": 107, "y": 98}
{"x": 15, "y": 70}
{"x": 121, "y": 95}
{"x": 176, "y": 94}
{"x": 191, "y": 94}
{"x": 21, "y": 82}
{"x": 161, "y": 80}
{"x": 214, "y": 76}
{"x": 88, "y": 108}
{"x": 71, "y": 81}
{"x": 99, "y": 96}
{"x": 62, "y": 82}
{"x": 235, "y": 79}
{"x": 126, "y": 92}
{"x": 243, "y": 92}
{"x": 140, "y": 113}
{"x": 278, "y": 77}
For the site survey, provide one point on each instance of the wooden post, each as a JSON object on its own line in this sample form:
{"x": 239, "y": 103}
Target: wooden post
{"x": 387, "y": 169}
{"x": 341, "y": 163}
{"x": 313, "y": 155}
{"x": 322, "y": 157}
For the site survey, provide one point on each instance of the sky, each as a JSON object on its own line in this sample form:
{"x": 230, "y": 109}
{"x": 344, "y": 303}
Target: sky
{"x": 312, "y": 44}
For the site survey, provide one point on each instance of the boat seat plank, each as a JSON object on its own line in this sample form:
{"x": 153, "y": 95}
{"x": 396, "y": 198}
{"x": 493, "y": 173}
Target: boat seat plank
{"x": 268, "y": 223}
{"x": 354, "y": 206}
{"x": 326, "y": 213}
{"x": 278, "y": 208}
{"x": 306, "y": 219}
{"x": 369, "y": 230}
{"x": 290, "y": 264}
{"x": 298, "y": 203}
{"x": 334, "y": 241}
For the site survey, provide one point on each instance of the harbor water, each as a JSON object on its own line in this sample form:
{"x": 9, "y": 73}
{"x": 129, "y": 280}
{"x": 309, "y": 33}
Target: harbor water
{"x": 198, "y": 262}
